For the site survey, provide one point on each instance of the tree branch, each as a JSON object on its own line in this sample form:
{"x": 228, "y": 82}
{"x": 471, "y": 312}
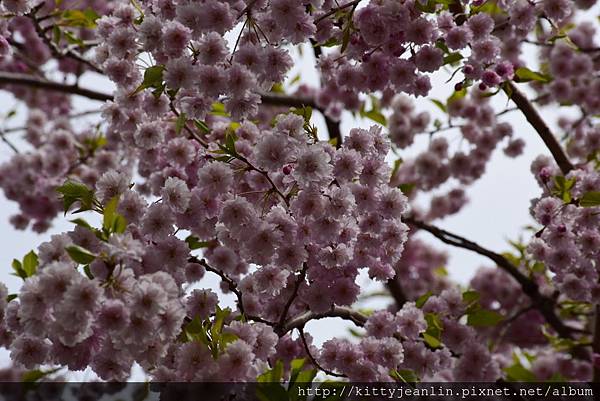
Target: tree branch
{"x": 290, "y": 301}
{"x": 312, "y": 358}
{"x": 395, "y": 289}
{"x": 542, "y": 303}
{"x": 337, "y": 311}
{"x": 10, "y": 78}
{"x": 58, "y": 53}
{"x": 536, "y": 121}
{"x": 7, "y": 142}
{"x": 267, "y": 98}
{"x": 232, "y": 287}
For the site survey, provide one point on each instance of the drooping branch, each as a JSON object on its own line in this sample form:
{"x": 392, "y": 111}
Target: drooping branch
{"x": 543, "y": 304}
{"x": 536, "y": 121}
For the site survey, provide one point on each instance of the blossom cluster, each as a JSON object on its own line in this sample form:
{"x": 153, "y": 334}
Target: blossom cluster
{"x": 202, "y": 166}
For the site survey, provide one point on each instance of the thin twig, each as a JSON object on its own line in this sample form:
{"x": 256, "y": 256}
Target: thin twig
{"x": 335, "y": 10}
{"x": 312, "y": 358}
{"x": 232, "y": 285}
{"x": 8, "y": 143}
{"x": 58, "y": 53}
{"x": 290, "y": 301}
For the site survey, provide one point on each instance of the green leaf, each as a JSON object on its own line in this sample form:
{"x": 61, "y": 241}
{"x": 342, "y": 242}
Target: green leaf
{"x": 273, "y": 375}
{"x": 428, "y": 7}
{"x": 457, "y": 95}
{"x": 72, "y": 39}
{"x": 470, "y": 297}
{"x": 88, "y": 272}
{"x": 218, "y": 109}
{"x": 331, "y": 42}
{"x": 110, "y": 209}
{"x": 195, "y": 331}
{"x": 296, "y": 367}
{"x": 82, "y": 223}
{"x": 17, "y": 266}
{"x": 73, "y": 191}
{"x": 374, "y": 115}
{"x": 484, "y": 318}
{"x": 346, "y": 36}
{"x": 432, "y": 336}
{"x": 439, "y": 104}
{"x": 422, "y": 299}
{"x": 220, "y": 316}
{"x": 79, "y": 18}
{"x": 180, "y": 123}
{"x": 562, "y": 188}
{"x": 452, "y": 58}
{"x": 30, "y": 263}
{"x": 441, "y": 271}
{"x": 153, "y": 78}
{"x": 524, "y": 74}
{"x": 230, "y": 139}
{"x": 56, "y": 34}
{"x": 590, "y": 199}
{"x": 304, "y": 112}
{"x": 194, "y": 243}
{"x": 10, "y": 297}
{"x": 518, "y": 373}
{"x": 404, "y": 376}
{"x": 80, "y": 255}
{"x": 407, "y": 188}
{"x": 431, "y": 340}
{"x": 113, "y": 222}
{"x": 202, "y": 127}
{"x": 35, "y": 375}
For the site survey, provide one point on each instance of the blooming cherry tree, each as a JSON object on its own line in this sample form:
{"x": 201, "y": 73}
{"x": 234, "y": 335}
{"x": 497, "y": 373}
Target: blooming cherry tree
{"x": 205, "y": 160}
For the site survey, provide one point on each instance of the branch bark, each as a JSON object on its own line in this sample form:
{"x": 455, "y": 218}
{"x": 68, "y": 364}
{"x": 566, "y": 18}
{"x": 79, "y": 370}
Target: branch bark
{"x": 536, "y": 121}
{"x": 337, "y": 311}
{"x": 10, "y": 78}
{"x": 541, "y": 302}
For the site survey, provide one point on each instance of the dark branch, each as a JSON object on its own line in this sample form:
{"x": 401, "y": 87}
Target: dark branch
{"x": 395, "y": 289}
{"x": 542, "y": 303}
{"x": 337, "y": 311}
{"x": 536, "y": 121}
{"x": 267, "y": 98}
{"x": 232, "y": 285}
{"x": 312, "y": 358}
{"x": 10, "y": 78}
{"x": 290, "y": 301}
